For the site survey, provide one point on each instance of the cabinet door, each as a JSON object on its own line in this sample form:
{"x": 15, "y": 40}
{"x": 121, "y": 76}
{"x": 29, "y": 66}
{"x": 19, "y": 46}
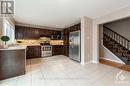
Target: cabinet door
{"x": 19, "y": 32}
{"x": 57, "y": 50}
{"x": 28, "y": 33}
{"x": 44, "y": 33}
{"x": 33, "y": 52}
{"x": 56, "y": 35}
{"x": 36, "y": 34}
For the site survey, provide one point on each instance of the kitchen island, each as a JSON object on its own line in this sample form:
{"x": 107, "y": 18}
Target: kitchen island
{"x": 12, "y": 62}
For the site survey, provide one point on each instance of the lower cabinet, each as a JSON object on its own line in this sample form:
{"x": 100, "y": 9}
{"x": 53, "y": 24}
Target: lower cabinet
{"x": 57, "y": 50}
{"x": 66, "y": 50}
{"x": 33, "y": 52}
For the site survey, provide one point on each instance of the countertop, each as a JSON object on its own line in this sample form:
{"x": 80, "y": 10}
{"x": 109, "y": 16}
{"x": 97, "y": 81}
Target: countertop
{"x": 38, "y": 45}
{"x": 15, "y": 48}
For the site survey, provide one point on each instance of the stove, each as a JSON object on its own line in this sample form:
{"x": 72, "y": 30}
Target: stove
{"x": 46, "y": 50}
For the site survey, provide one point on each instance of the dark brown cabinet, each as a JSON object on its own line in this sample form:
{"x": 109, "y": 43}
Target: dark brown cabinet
{"x": 12, "y": 63}
{"x": 45, "y": 33}
{"x": 66, "y": 42}
{"x": 53, "y": 34}
{"x": 57, "y": 50}
{"x": 22, "y": 32}
{"x": 57, "y": 35}
{"x": 75, "y": 28}
{"x": 19, "y": 32}
{"x": 33, "y": 52}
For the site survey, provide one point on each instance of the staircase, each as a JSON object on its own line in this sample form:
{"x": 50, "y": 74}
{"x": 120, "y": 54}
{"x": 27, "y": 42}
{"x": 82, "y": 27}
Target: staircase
{"x": 117, "y": 44}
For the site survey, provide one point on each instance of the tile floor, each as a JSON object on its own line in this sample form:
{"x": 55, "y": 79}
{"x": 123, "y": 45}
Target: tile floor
{"x": 61, "y": 71}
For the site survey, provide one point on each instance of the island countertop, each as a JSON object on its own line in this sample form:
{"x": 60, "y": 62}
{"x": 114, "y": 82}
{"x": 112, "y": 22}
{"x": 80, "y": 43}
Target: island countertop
{"x": 14, "y": 48}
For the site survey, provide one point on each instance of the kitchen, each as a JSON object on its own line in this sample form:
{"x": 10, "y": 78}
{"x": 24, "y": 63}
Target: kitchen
{"x": 38, "y": 42}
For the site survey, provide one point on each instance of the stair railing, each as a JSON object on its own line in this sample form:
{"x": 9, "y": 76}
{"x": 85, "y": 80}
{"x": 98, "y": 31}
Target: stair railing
{"x": 117, "y": 37}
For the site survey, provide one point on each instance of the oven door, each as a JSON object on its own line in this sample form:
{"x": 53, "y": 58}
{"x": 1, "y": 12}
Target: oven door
{"x": 46, "y": 51}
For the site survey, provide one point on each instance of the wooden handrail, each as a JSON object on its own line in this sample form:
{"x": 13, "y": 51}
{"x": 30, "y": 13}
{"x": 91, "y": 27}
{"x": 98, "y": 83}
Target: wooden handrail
{"x": 117, "y": 37}
{"x": 117, "y": 33}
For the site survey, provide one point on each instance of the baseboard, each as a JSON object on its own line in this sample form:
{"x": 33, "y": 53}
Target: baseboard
{"x": 95, "y": 62}
{"x": 87, "y": 62}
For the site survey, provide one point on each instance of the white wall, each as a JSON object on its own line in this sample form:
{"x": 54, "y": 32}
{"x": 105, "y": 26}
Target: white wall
{"x": 121, "y": 26}
{"x": 86, "y": 40}
{"x": 120, "y": 14}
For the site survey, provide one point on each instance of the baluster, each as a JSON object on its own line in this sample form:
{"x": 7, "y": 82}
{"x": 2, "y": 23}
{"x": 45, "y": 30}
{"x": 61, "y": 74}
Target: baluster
{"x": 114, "y": 36}
{"x": 122, "y": 41}
{"x": 125, "y": 43}
{"x": 119, "y": 40}
{"x": 128, "y": 45}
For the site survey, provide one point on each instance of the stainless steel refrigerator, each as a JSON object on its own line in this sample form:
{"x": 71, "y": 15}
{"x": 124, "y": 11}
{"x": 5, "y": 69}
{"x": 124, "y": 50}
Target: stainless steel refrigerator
{"x": 74, "y": 45}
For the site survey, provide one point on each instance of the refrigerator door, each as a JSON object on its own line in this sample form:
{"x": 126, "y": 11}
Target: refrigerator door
{"x": 74, "y": 45}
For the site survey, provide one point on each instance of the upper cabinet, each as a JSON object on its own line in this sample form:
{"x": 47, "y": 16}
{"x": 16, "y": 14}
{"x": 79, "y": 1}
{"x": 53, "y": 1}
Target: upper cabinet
{"x": 22, "y": 32}
{"x": 45, "y": 33}
{"x": 19, "y": 32}
{"x": 31, "y": 33}
{"x": 75, "y": 28}
{"x": 57, "y": 35}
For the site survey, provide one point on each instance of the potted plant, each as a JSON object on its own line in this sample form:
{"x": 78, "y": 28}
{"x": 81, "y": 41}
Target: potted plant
{"x": 5, "y": 39}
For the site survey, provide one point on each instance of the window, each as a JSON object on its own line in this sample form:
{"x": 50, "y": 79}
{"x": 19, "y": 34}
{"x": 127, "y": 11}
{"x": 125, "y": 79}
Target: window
{"x": 9, "y": 31}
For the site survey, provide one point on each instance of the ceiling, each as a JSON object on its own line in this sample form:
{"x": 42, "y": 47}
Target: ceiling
{"x": 61, "y": 13}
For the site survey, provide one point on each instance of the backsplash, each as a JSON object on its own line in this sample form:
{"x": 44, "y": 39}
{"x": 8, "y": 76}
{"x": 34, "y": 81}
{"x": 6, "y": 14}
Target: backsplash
{"x": 56, "y": 42}
{"x": 37, "y": 42}
{"x": 28, "y": 42}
